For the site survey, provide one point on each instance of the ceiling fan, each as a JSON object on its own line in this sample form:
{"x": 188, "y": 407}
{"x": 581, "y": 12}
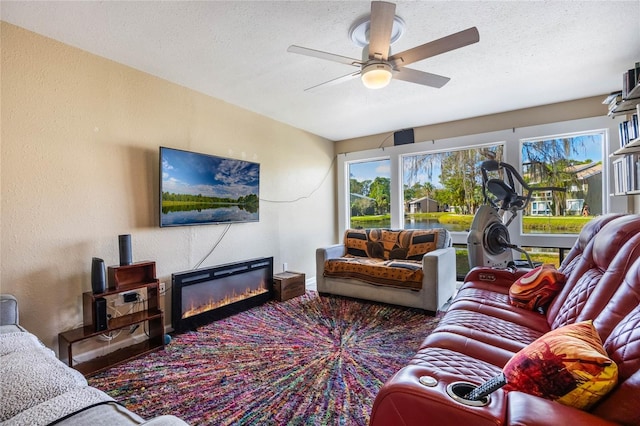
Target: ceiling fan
{"x": 377, "y": 66}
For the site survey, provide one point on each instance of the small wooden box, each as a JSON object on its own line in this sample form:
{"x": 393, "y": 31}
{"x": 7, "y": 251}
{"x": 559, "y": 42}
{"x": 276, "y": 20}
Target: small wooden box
{"x": 131, "y": 276}
{"x": 288, "y": 285}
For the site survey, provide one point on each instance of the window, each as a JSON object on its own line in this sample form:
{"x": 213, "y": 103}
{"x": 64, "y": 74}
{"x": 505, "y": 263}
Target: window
{"x": 438, "y": 182}
{"x": 570, "y": 161}
{"x": 444, "y": 188}
{"x": 370, "y": 194}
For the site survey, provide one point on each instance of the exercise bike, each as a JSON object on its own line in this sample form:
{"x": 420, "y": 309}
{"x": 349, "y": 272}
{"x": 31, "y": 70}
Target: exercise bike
{"x": 488, "y": 242}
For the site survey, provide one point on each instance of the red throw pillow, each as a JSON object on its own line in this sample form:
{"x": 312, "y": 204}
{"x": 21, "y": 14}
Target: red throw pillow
{"x": 567, "y": 365}
{"x": 535, "y": 289}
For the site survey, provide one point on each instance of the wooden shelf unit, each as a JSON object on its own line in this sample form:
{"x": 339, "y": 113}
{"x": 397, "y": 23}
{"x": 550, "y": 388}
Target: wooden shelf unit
{"x": 127, "y": 277}
{"x": 152, "y": 315}
{"x": 102, "y": 363}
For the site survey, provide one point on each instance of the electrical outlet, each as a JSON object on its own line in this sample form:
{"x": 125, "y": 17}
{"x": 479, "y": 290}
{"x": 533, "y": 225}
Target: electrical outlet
{"x": 162, "y": 288}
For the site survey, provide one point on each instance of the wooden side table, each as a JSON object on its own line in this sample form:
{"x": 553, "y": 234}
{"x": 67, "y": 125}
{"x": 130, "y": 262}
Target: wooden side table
{"x": 288, "y": 285}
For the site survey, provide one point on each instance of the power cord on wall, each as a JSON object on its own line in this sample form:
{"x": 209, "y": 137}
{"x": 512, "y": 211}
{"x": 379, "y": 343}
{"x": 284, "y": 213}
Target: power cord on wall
{"x": 324, "y": 178}
{"x": 302, "y": 197}
{"x": 214, "y": 246}
{"x": 112, "y": 335}
{"x": 381, "y": 146}
{"x": 108, "y": 337}
{"x": 385, "y": 139}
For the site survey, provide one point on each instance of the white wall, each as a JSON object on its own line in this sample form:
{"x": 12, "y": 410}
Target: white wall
{"x": 80, "y": 138}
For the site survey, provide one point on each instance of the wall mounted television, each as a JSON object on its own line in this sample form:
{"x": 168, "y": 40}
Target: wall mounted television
{"x": 197, "y": 189}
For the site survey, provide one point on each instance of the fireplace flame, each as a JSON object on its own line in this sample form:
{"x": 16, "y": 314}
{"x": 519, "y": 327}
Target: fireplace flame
{"x": 227, "y": 300}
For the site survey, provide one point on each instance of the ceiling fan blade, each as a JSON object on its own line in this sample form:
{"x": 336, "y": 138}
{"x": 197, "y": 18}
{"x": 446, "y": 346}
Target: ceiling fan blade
{"x": 420, "y": 77}
{"x": 382, "y": 14}
{"x": 324, "y": 55}
{"x": 436, "y": 47}
{"x": 333, "y": 82}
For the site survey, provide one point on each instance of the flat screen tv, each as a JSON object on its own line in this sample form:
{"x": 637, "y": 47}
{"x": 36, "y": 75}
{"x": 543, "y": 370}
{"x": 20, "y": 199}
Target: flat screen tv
{"x": 197, "y": 189}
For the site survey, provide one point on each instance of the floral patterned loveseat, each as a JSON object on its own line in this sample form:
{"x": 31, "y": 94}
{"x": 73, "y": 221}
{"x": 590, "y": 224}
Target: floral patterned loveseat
{"x": 414, "y": 268}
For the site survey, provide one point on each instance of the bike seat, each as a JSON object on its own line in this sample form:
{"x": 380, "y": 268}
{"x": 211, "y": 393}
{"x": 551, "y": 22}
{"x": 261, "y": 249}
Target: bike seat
{"x": 503, "y": 191}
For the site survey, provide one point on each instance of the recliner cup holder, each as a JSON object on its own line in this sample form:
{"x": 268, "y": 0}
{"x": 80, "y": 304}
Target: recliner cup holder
{"x": 458, "y": 390}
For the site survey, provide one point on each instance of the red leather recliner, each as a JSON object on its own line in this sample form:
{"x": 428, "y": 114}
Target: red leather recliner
{"x": 481, "y": 331}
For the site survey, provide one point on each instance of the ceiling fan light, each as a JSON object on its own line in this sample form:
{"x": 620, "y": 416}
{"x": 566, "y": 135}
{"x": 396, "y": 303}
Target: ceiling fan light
{"x": 376, "y": 76}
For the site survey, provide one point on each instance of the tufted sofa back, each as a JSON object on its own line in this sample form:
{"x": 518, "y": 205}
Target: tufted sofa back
{"x": 614, "y": 306}
{"x": 387, "y": 244}
{"x": 589, "y": 230}
{"x": 597, "y": 274}
{"x": 623, "y": 347}
{"x": 605, "y": 287}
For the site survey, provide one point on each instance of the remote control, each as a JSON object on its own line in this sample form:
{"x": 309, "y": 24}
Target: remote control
{"x": 486, "y": 388}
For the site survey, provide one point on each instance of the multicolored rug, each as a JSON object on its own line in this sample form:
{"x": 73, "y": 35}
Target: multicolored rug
{"x": 311, "y": 360}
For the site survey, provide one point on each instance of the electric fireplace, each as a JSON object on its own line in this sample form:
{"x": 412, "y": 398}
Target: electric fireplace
{"x": 208, "y": 294}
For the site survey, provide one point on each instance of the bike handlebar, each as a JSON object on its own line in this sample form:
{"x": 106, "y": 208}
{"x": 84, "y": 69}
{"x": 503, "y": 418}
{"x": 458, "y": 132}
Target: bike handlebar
{"x": 518, "y": 202}
{"x": 493, "y": 166}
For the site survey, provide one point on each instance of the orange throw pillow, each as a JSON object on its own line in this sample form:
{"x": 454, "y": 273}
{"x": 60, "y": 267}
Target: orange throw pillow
{"x": 567, "y": 365}
{"x": 535, "y": 289}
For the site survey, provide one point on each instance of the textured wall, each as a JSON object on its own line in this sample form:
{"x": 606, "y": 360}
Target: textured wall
{"x": 80, "y": 138}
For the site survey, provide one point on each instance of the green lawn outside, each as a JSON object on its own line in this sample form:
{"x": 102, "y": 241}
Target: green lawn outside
{"x": 543, "y": 224}
{"x": 532, "y": 224}
{"x": 462, "y": 260}
{"x": 373, "y": 218}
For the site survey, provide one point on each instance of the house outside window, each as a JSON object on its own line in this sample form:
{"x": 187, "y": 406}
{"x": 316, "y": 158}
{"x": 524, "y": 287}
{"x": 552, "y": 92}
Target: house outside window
{"x": 573, "y": 162}
{"x": 444, "y": 189}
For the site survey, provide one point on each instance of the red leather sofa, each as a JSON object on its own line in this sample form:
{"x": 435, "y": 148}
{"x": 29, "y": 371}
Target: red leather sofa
{"x": 481, "y": 331}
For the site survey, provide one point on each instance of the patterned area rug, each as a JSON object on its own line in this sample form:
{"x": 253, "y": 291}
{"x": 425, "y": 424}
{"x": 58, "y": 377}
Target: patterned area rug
{"x": 311, "y": 360}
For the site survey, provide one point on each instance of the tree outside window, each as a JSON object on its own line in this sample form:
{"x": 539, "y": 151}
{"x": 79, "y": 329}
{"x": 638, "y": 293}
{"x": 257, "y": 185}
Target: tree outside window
{"x": 370, "y": 194}
{"x": 444, "y": 188}
{"x": 573, "y": 162}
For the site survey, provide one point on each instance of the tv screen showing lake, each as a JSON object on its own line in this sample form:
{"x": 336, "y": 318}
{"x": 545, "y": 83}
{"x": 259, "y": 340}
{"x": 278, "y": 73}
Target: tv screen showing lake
{"x": 203, "y": 189}
{"x": 218, "y": 214}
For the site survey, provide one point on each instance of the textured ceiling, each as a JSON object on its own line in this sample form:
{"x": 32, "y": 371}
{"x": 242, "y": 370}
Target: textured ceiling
{"x": 530, "y": 53}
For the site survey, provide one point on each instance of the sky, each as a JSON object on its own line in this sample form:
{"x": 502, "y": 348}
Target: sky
{"x": 186, "y": 172}
{"x": 370, "y": 170}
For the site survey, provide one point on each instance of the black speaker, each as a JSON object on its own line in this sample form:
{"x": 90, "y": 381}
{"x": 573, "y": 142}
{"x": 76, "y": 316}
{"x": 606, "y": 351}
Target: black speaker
{"x": 403, "y": 137}
{"x": 100, "y": 313}
{"x": 98, "y": 276}
{"x": 125, "y": 249}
